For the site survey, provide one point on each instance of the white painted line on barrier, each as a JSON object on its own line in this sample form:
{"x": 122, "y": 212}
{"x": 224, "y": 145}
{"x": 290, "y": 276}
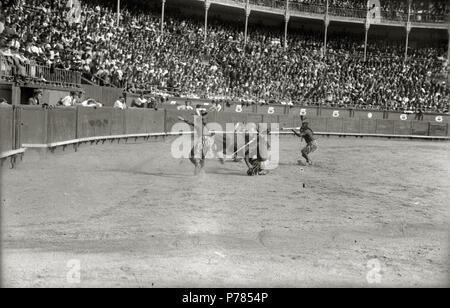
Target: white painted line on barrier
{"x": 12, "y": 153}
{"x": 97, "y": 138}
{"x": 371, "y": 135}
{"x": 113, "y": 137}
{"x": 34, "y": 145}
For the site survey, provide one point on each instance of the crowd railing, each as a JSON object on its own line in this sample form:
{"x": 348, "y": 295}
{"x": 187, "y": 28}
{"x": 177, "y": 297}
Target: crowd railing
{"x": 5, "y": 69}
{"x": 39, "y": 73}
{"x": 386, "y": 15}
{"x": 308, "y": 8}
{"x": 278, "y": 4}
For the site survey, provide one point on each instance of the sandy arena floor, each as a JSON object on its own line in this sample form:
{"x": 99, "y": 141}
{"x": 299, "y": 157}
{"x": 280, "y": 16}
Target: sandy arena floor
{"x": 372, "y": 213}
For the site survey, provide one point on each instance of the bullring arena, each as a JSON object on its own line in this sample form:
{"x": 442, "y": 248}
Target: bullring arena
{"x": 92, "y": 194}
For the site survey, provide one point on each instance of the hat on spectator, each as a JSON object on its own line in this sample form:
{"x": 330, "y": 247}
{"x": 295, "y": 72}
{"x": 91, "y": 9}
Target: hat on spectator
{"x": 37, "y": 91}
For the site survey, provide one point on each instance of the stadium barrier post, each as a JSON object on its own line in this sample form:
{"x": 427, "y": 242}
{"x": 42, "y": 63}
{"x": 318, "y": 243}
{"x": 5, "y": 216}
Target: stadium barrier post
{"x": 13, "y": 128}
{"x": 448, "y": 54}
{"x": 408, "y": 29}
{"x": 77, "y": 117}
{"x": 48, "y": 131}
{"x": 365, "y": 43}
{"x": 247, "y": 15}
{"x": 162, "y": 18}
{"x": 15, "y": 95}
{"x": 118, "y": 13}
{"x": 286, "y": 22}
{"x": 367, "y": 27}
{"x": 327, "y": 23}
{"x": 125, "y": 124}
{"x": 207, "y": 4}
{"x": 165, "y": 121}
{"x": 18, "y": 125}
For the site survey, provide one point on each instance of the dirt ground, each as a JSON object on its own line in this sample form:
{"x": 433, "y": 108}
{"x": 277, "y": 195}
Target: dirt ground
{"x": 373, "y": 213}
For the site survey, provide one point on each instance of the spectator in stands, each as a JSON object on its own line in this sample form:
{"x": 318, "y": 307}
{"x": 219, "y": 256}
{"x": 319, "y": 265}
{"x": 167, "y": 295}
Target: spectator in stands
{"x": 2, "y": 24}
{"x": 10, "y": 50}
{"x": 419, "y": 114}
{"x": 70, "y": 100}
{"x": 215, "y": 107}
{"x": 120, "y": 104}
{"x": 3, "y": 102}
{"x": 139, "y": 102}
{"x": 153, "y": 103}
{"x": 90, "y": 102}
{"x": 35, "y": 100}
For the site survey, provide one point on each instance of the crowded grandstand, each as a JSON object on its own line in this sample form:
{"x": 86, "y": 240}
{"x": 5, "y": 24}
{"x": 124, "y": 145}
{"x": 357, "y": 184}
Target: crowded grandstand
{"x": 39, "y": 38}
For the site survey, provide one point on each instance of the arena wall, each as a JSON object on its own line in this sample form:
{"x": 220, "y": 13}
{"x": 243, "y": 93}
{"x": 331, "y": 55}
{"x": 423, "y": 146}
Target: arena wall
{"x": 25, "y": 125}
{"x": 368, "y": 126}
{"x": 41, "y": 126}
{"x": 94, "y": 122}
{"x": 61, "y": 125}
{"x": 33, "y": 125}
{"x": 307, "y": 111}
{"x": 6, "y": 129}
{"x": 420, "y": 128}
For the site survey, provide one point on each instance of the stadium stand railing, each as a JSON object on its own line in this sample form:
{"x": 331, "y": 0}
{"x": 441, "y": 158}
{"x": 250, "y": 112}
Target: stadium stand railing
{"x": 301, "y": 7}
{"x": 278, "y": 4}
{"x": 40, "y": 73}
{"x": 5, "y": 69}
{"x": 386, "y": 16}
{"x": 346, "y": 12}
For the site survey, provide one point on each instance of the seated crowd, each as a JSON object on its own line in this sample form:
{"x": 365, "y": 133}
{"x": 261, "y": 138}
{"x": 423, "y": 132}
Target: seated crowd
{"x": 422, "y": 10}
{"x": 135, "y": 56}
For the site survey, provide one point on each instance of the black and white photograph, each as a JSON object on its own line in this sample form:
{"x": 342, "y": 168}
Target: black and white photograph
{"x": 224, "y": 145}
